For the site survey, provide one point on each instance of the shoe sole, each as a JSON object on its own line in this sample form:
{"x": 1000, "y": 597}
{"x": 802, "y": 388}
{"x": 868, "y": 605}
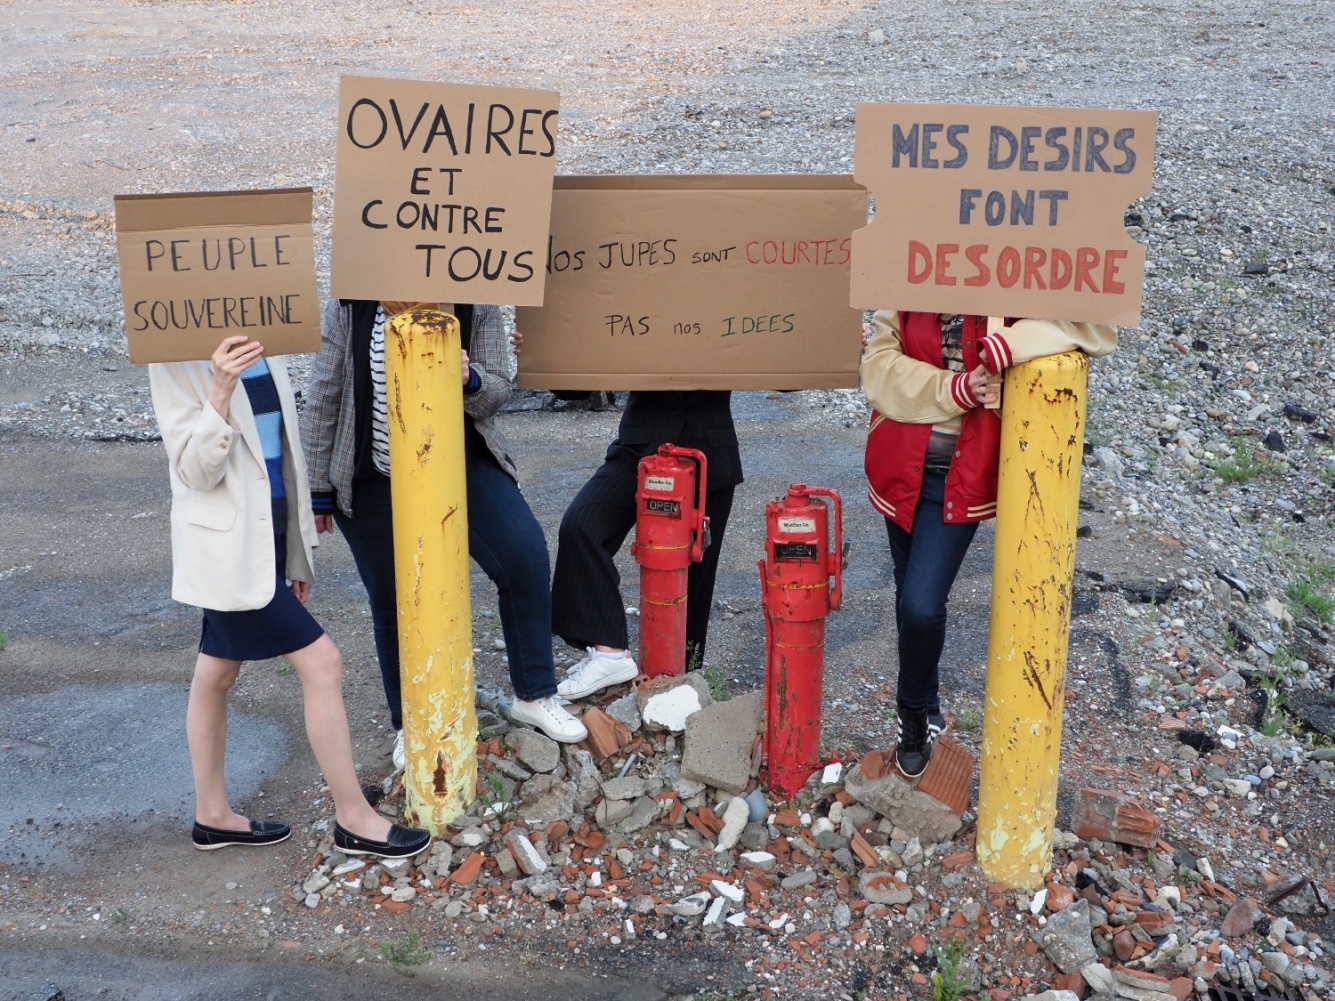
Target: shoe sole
{"x": 391, "y": 855}
{"x": 243, "y": 844}
{"x": 629, "y": 674}
{"x": 552, "y": 736}
{"x": 907, "y": 774}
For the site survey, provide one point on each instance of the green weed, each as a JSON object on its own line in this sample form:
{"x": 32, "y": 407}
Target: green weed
{"x": 947, "y": 985}
{"x": 500, "y": 794}
{"x": 3, "y": 639}
{"x": 284, "y": 669}
{"x": 120, "y": 915}
{"x": 718, "y": 684}
{"x": 1242, "y": 468}
{"x": 1274, "y": 720}
{"x": 1307, "y": 600}
{"x": 405, "y": 951}
{"x": 969, "y": 720}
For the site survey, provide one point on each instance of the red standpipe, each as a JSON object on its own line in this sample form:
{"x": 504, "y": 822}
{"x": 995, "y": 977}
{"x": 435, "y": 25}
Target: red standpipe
{"x": 671, "y": 533}
{"x": 797, "y": 596}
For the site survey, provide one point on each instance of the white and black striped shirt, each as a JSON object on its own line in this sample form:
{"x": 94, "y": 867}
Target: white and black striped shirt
{"x": 379, "y": 396}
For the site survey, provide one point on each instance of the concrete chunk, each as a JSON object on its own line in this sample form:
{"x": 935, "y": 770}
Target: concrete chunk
{"x": 719, "y": 739}
{"x": 666, "y": 703}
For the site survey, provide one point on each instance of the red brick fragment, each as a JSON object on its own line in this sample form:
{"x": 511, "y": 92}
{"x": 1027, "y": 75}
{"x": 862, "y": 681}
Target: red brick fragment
{"x": 949, "y": 775}
{"x": 1113, "y": 816}
{"x": 468, "y": 870}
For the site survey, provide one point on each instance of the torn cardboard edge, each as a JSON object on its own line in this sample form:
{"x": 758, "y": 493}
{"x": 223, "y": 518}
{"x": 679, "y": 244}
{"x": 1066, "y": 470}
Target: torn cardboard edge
{"x": 204, "y": 209}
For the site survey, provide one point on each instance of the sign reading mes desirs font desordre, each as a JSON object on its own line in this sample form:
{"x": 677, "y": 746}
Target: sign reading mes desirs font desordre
{"x": 1002, "y": 211}
{"x": 442, "y": 192}
{"x": 730, "y": 281}
{"x": 202, "y": 266}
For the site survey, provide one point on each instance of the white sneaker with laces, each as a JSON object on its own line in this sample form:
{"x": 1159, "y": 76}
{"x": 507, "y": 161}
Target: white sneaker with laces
{"x": 597, "y": 671}
{"x": 400, "y": 758}
{"x": 549, "y": 716}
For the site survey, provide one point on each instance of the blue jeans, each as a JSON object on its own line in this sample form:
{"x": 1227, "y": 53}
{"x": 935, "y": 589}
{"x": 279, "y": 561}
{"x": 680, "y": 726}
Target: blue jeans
{"x": 926, "y": 563}
{"x": 507, "y": 543}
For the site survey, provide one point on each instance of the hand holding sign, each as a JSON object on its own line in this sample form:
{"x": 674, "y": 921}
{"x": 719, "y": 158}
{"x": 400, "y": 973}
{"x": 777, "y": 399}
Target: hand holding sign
{"x": 998, "y": 211}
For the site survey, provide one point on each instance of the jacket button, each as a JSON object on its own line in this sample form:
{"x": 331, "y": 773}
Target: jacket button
{"x": 950, "y": 503}
{"x": 957, "y": 454}
{"x": 917, "y": 469}
{"x": 950, "y": 517}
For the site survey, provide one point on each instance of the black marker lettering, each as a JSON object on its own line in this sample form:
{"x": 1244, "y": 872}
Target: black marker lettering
{"x": 428, "y": 247}
{"x": 929, "y": 144}
{"x": 493, "y": 225}
{"x": 1052, "y": 198}
{"x": 366, "y": 216}
{"x": 906, "y": 144}
{"x": 551, "y": 139}
{"x": 253, "y": 262}
{"x": 235, "y": 245}
{"x": 961, "y": 152}
{"x": 1063, "y": 154}
{"x": 384, "y": 124}
{"x": 148, "y": 250}
{"x": 1027, "y": 136}
{"x": 1120, "y": 143}
{"x": 140, "y": 315}
{"x": 398, "y": 122}
{"x": 524, "y": 130}
{"x": 419, "y": 179}
{"x": 440, "y": 126}
{"x": 452, "y": 171}
{"x": 278, "y": 250}
{"x": 492, "y": 133}
{"x": 528, "y": 267}
{"x": 176, "y": 258}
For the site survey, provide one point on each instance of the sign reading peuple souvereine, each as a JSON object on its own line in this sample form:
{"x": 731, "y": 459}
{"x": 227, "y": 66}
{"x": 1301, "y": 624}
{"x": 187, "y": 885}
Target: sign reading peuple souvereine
{"x": 1002, "y": 211}
{"x": 442, "y": 192}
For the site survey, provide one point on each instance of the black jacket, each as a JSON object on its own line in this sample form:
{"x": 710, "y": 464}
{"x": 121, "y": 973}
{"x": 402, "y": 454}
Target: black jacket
{"x": 696, "y": 419}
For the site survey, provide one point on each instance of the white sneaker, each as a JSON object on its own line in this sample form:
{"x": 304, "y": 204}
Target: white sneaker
{"x": 400, "y": 758}
{"x": 549, "y": 716}
{"x": 597, "y": 671}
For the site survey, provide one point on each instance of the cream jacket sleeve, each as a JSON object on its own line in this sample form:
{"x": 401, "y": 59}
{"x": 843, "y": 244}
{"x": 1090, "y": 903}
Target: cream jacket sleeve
{"x": 222, "y": 514}
{"x": 903, "y": 388}
{"x": 915, "y": 392}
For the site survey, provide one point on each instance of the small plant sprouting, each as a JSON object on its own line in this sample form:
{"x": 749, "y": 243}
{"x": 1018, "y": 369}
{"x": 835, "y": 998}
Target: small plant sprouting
{"x": 405, "y": 951}
{"x": 947, "y": 985}
{"x": 718, "y": 684}
{"x": 1307, "y": 600}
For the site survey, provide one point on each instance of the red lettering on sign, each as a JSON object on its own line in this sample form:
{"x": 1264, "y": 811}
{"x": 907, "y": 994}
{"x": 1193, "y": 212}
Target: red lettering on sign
{"x": 1034, "y": 258}
{"x": 1110, "y": 284}
{"x": 944, "y": 251}
{"x": 1008, "y": 267}
{"x": 1059, "y": 275}
{"x": 983, "y": 273}
{"x": 918, "y": 251}
{"x": 1086, "y": 260}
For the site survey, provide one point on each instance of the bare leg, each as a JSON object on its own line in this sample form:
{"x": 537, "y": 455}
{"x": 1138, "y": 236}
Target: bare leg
{"x": 320, "y": 667}
{"x": 206, "y": 731}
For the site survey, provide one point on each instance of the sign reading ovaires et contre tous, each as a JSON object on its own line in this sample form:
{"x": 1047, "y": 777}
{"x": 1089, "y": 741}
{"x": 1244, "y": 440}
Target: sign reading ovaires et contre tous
{"x": 1002, "y": 211}
{"x": 202, "y": 266}
{"x": 442, "y": 192}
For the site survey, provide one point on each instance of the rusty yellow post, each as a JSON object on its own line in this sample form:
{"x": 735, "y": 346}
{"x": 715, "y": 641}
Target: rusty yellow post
{"x": 429, "y": 495}
{"x": 1038, "y": 496}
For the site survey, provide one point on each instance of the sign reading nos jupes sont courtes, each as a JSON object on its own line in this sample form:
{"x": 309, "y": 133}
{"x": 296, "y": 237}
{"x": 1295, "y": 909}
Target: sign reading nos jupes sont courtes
{"x": 1002, "y": 211}
{"x": 442, "y": 192}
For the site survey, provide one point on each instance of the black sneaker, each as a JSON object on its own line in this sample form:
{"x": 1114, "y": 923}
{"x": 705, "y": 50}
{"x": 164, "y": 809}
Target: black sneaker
{"x": 915, "y": 747}
{"x": 403, "y": 842}
{"x": 262, "y": 832}
{"x": 936, "y": 725}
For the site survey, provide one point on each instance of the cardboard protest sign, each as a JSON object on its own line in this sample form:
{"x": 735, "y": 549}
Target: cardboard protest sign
{"x": 202, "y": 266}
{"x": 702, "y": 282}
{"x": 442, "y": 192}
{"x": 1001, "y": 211}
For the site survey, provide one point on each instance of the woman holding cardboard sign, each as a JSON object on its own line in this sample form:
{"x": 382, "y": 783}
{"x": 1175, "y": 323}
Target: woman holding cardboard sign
{"x": 239, "y": 495}
{"x": 933, "y": 382}
{"x": 347, "y": 443}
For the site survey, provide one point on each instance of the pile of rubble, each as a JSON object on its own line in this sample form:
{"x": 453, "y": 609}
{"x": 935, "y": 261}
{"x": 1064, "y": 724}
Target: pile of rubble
{"x": 655, "y": 828}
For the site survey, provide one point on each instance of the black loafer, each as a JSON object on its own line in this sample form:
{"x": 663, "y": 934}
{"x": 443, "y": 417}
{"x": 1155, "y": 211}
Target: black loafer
{"x": 403, "y": 842}
{"x": 262, "y": 832}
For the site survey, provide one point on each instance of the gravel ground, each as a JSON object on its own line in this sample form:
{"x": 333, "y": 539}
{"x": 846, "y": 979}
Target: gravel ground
{"x": 1208, "y": 484}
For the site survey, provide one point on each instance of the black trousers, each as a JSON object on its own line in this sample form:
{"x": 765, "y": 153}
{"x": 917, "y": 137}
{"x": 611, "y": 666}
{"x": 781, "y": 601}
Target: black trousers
{"x": 586, "y": 589}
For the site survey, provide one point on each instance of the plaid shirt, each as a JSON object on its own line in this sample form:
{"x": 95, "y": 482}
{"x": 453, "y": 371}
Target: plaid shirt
{"x": 328, "y": 433}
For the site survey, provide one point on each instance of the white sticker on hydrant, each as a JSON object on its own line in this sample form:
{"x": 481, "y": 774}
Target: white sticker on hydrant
{"x": 663, "y": 484}
{"x": 797, "y": 525}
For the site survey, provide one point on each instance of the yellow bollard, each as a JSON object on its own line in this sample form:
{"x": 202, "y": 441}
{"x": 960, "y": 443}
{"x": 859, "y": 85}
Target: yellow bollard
{"x": 1038, "y": 497}
{"x": 430, "y": 500}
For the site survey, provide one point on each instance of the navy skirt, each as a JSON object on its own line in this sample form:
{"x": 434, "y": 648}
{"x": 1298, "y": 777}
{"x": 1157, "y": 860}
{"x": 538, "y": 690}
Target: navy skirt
{"x": 280, "y": 627}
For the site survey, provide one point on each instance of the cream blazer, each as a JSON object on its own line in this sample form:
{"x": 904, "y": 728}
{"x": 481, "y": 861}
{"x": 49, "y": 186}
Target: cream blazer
{"x": 222, "y": 539}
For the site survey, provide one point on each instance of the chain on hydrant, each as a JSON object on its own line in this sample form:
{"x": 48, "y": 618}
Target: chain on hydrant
{"x": 796, "y": 595}
{"x": 671, "y": 533}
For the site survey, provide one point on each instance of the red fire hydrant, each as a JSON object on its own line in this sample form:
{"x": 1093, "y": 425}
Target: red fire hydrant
{"x": 671, "y": 533}
{"x": 797, "y": 596}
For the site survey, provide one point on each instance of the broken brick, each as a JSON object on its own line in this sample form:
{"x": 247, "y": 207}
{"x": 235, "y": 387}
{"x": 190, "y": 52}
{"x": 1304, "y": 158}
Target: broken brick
{"x": 1112, "y": 816}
